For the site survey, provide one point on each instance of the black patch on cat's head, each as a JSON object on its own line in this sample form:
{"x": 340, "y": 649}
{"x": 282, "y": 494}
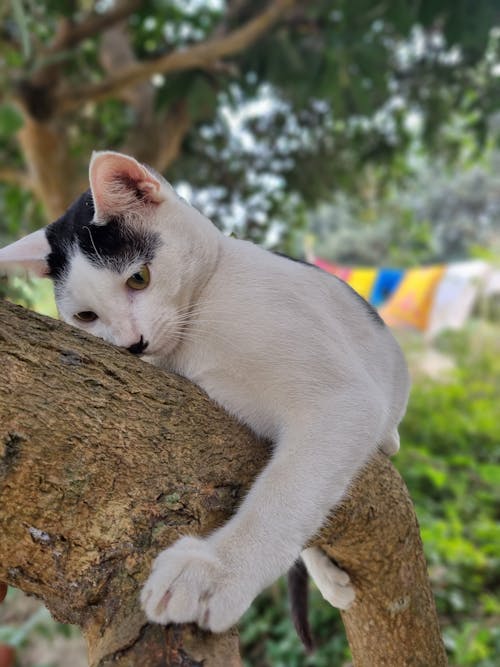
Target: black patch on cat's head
{"x": 114, "y": 245}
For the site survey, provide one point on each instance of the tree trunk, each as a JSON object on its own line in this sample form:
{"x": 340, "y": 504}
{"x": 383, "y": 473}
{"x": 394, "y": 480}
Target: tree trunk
{"x": 105, "y": 460}
{"x": 51, "y": 170}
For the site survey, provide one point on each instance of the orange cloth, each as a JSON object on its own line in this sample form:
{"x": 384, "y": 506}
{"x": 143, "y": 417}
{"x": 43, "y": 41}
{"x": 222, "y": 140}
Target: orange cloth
{"x": 411, "y": 303}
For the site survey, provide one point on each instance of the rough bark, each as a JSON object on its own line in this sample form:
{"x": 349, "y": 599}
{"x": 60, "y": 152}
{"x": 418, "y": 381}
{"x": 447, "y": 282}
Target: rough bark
{"x": 105, "y": 460}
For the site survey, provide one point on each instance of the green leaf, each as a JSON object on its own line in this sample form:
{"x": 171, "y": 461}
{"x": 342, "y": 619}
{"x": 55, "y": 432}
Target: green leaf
{"x": 490, "y": 472}
{"x": 10, "y": 120}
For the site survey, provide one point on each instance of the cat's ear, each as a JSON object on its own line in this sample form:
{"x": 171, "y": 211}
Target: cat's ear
{"x": 28, "y": 254}
{"x": 121, "y": 185}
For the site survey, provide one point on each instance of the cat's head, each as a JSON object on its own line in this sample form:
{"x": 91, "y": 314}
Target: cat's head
{"x": 127, "y": 258}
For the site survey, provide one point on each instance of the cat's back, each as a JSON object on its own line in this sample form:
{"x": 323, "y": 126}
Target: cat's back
{"x": 271, "y": 335}
{"x": 268, "y": 305}
{"x": 271, "y": 286}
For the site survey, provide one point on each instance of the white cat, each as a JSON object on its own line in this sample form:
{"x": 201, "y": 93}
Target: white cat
{"x": 284, "y": 347}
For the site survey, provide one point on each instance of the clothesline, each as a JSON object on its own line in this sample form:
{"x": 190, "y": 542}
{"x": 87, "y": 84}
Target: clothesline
{"x": 429, "y": 299}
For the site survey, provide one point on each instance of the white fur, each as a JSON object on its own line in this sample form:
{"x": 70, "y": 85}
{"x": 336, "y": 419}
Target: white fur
{"x": 286, "y": 349}
{"x": 333, "y": 583}
{"x": 28, "y": 254}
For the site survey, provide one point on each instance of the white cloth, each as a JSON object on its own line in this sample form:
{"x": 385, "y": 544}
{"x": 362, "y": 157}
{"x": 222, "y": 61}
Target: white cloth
{"x": 492, "y": 286}
{"x": 456, "y": 294}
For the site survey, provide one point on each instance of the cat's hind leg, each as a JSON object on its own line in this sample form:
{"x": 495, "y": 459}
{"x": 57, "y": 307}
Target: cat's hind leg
{"x": 390, "y": 444}
{"x": 333, "y": 583}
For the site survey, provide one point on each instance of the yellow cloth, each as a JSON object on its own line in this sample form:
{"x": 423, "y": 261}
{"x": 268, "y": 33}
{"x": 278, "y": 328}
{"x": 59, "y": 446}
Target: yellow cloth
{"x": 411, "y": 303}
{"x": 362, "y": 281}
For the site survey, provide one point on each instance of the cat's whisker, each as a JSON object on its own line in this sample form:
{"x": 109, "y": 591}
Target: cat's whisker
{"x": 200, "y": 335}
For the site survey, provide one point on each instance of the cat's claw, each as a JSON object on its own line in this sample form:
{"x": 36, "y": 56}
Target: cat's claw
{"x": 189, "y": 583}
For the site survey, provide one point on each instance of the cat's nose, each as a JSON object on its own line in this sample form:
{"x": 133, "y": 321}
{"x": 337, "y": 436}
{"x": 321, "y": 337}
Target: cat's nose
{"x": 139, "y": 347}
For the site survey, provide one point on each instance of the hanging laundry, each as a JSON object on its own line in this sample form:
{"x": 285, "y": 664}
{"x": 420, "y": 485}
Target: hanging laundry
{"x": 411, "y": 303}
{"x": 430, "y": 299}
{"x": 492, "y": 287}
{"x": 362, "y": 281}
{"x": 385, "y": 285}
{"x": 342, "y": 272}
{"x": 456, "y": 295}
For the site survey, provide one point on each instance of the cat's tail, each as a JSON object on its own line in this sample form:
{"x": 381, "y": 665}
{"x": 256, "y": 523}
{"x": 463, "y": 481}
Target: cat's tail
{"x": 333, "y": 583}
{"x": 298, "y": 595}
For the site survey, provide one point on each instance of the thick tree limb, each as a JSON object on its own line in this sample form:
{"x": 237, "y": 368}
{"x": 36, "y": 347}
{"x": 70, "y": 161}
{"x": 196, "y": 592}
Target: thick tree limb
{"x": 175, "y": 126}
{"x": 49, "y": 160}
{"x": 199, "y": 55}
{"x": 105, "y": 460}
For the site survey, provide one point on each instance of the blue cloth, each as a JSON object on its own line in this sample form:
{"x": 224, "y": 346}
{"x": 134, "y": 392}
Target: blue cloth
{"x": 385, "y": 285}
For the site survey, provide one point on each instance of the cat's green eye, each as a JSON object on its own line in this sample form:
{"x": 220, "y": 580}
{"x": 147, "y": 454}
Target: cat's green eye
{"x": 140, "y": 279}
{"x": 86, "y": 316}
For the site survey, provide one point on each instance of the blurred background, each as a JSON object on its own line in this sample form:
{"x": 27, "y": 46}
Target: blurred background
{"x": 361, "y": 135}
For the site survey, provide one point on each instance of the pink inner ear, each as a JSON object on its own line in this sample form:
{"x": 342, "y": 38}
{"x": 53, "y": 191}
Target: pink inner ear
{"x": 119, "y": 183}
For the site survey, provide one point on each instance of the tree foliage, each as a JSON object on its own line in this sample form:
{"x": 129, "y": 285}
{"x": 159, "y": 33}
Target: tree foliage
{"x": 259, "y": 110}
{"x": 441, "y": 213}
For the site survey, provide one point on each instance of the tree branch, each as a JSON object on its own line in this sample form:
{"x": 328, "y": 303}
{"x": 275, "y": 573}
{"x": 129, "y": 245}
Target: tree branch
{"x": 176, "y": 125}
{"x": 158, "y": 142}
{"x": 155, "y": 137}
{"x": 46, "y": 151}
{"x": 197, "y": 56}
{"x": 105, "y": 460}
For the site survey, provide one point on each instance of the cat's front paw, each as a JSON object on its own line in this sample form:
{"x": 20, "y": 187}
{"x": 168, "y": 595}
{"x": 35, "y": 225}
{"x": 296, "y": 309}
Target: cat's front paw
{"x": 189, "y": 582}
